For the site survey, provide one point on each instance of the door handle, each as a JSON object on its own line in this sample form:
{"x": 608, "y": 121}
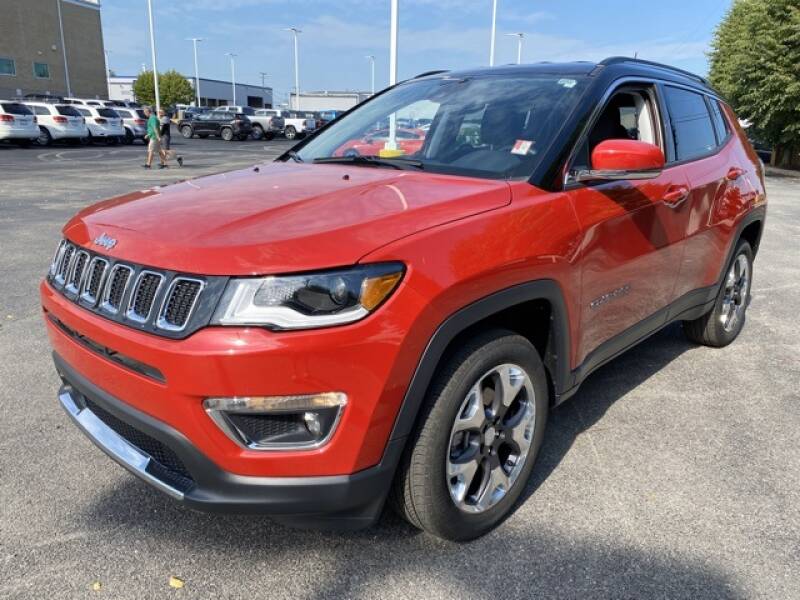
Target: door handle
{"x": 734, "y": 173}
{"x": 676, "y": 195}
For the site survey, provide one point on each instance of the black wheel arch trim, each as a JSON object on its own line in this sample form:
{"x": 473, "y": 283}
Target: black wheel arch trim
{"x": 556, "y": 360}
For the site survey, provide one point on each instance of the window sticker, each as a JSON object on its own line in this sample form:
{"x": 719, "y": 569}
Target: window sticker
{"x": 521, "y": 147}
{"x": 567, "y": 83}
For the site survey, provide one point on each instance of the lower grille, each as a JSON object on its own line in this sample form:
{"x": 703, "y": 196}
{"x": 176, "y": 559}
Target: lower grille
{"x": 170, "y": 469}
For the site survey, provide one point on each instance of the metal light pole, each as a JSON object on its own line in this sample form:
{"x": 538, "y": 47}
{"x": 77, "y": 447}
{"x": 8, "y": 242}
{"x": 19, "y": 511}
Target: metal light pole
{"x": 63, "y": 48}
{"x": 371, "y": 59}
{"x": 233, "y": 74}
{"x": 295, "y": 31}
{"x": 263, "y": 85}
{"x": 494, "y": 33}
{"x": 519, "y": 37}
{"x": 108, "y": 73}
{"x": 153, "y": 52}
{"x": 196, "y": 70}
{"x": 394, "y": 18}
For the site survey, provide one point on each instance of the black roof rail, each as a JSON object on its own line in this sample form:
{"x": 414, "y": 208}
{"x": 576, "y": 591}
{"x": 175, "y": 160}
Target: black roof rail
{"x": 434, "y": 72}
{"x": 613, "y": 60}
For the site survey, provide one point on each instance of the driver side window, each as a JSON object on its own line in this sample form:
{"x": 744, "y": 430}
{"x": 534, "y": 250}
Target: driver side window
{"x": 628, "y": 115}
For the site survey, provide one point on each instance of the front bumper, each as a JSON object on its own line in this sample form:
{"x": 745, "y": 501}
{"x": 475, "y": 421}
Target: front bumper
{"x": 167, "y": 460}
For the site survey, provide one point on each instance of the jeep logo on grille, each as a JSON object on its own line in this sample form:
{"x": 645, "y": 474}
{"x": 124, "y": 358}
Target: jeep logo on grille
{"x": 106, "y": 241}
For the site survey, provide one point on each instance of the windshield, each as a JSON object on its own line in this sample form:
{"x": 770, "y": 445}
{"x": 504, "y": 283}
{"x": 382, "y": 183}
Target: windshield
{"x": 491, "y": 126}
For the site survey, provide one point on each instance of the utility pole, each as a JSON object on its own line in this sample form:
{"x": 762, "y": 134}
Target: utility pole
{"x": 153, "y": 52}
{"x": 233, "y": 74}
{"x": 196, "y": 70}
{"x": 371, "y": 59}
{"x": 519, "y": 37}
{"x": 494, "y": 33}
{"x": 295, "y": 31}
{"x": 63, "y": 49}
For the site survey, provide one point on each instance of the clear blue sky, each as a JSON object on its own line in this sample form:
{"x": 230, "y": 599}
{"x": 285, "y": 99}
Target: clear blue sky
{"x": 434, "y": 34}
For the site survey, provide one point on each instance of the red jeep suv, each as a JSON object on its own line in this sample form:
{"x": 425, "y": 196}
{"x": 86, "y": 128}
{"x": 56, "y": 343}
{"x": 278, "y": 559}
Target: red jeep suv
{"x": 313, "y": 337}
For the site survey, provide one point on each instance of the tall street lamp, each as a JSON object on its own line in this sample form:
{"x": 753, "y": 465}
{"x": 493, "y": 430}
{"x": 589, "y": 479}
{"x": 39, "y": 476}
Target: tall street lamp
{"x": 63, "y": 48}
{"x": 196, "y": 70}
{"x": 295, "y": 31}
{"x": 108, "y": 73}
{"x": 153, "y": 54}
{"x": 494, "y": 33}
{"x": 394, "y": 19}
{"x": 263, "y": 85}
{"x": 519, "y": 37}
{"x": 233, "y": 74}
{"x": 371, "y": 59}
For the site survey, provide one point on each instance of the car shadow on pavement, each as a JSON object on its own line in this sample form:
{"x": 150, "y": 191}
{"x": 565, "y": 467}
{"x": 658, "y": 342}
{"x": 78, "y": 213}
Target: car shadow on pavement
{"x": 599, "y": 392}
{"x": 535, "y": 562}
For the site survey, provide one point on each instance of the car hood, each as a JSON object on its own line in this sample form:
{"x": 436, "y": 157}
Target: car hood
{"x": 279, "y": 217}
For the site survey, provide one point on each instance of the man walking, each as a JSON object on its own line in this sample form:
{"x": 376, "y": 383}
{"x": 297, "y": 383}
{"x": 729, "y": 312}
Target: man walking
{"x": 153, "y": 139}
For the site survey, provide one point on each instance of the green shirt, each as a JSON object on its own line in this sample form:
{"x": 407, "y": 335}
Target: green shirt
{"x": 152, "y": 127}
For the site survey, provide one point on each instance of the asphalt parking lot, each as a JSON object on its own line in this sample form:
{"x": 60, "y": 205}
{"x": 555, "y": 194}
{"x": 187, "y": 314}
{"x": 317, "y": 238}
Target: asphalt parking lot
{"x": 673, "y": 473}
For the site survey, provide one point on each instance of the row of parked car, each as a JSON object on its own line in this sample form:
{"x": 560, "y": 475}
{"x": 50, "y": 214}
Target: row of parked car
{"x": 241, "y": 122}
{"x": 84, "y": 121}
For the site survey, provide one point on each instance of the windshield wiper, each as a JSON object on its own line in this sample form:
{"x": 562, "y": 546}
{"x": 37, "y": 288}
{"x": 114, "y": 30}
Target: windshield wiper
{"x": 394, "y": 162}
{"x": 294, "y": 156}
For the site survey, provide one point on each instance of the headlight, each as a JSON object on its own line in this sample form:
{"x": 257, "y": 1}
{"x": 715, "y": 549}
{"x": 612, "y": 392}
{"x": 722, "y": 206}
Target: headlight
{"x": 309, "y": 300}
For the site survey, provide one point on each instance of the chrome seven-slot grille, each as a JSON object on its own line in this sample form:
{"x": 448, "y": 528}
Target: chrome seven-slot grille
{"x": 160, "y": 301}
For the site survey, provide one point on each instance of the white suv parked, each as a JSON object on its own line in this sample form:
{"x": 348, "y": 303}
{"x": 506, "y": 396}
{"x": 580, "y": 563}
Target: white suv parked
{"x": 58, "y": 122}
{"x": 17, "y": 123}
{"x": 135, "y": 123}
{"x": 103, "y": 123}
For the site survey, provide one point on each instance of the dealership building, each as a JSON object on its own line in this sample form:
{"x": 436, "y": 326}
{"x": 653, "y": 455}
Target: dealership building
{"x": 213, "y": 92}
{"x": 327, "y": 100}
{"x": 51, "y": 47}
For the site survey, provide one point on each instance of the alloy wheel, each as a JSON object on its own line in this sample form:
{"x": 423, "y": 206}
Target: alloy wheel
{"x": 737, "y": 289}
{"x": 491, "y": 438}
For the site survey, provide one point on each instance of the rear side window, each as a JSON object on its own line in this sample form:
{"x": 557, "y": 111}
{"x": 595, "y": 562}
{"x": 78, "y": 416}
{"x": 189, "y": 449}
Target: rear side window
{"x": 108, "y": 113}
{"x": 40, "y": 110}
{"x": 123, "y": 113}
{"x": 14, "y": 108}
{"x": 85, "y": 112}
{"x": 692, "y": 130}
{"x": 67, "y": 111}
{"x": 720, "y": 123}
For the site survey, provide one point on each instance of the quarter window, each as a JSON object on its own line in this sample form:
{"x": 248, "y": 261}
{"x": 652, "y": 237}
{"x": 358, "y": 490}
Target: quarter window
{"x": 40, "y": 110}
{"x": 7, "y": 66}
{"x": 41, "y": 70}
{"x": 692, "y": 131}
{"x": 720, "y": 123}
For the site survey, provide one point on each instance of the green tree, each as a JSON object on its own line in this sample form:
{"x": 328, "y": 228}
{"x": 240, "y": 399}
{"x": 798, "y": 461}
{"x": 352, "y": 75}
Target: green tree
{"x": 173, "y": 88}
{"x": 755, "y": 64}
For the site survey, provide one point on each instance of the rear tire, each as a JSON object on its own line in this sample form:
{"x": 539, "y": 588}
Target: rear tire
{"x": 129, "y": 138}
{"x": 258, "y": 132}
{"x": 723, "y": 323}
{"x": 476, "y": 440}
{"x": 44, "y": 139}
{"x": 290, "y": 133}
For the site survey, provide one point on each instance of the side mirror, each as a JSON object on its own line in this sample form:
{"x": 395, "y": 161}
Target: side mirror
{"x": 615, "y": 160}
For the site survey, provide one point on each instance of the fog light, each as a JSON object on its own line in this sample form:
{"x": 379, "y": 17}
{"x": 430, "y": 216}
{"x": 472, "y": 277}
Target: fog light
{"x": 312, "y": 423}
{"x": 278, "y": 422}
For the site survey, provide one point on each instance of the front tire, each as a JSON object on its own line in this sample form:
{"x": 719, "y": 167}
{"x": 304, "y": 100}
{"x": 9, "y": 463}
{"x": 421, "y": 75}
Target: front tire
{"x": 226, "y": 134}
{"x": 477, "y": 438}
{"x": 187, "y": 132}
{"x": 129, "y": 137}
{"x": 724, "y": 322}
{"x": 290, "y": 133}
